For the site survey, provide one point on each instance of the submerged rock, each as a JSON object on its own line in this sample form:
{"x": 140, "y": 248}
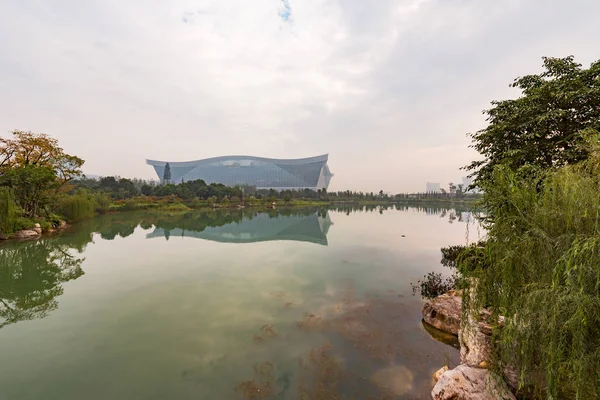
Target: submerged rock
{"x": 397, "y": 379}
{"x": 444, "y": 312}
{"x": 469, "y": 383}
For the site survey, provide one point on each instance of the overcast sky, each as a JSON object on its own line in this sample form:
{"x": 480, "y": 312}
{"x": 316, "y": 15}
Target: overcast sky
{"x": 388, "y": 88}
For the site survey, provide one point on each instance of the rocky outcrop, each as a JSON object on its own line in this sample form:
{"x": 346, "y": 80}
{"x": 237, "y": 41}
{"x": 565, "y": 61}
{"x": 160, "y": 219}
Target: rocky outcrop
{"x": 471, "y": 379}
{"x": 444, "y": 312}
{"x": 475, "y": 340}
{"x": 469, "y": 383}
{"x": 439, "y": 373}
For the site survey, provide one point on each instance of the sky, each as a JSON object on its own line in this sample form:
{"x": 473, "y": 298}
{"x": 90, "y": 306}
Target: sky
{"x": 389, "y": 89}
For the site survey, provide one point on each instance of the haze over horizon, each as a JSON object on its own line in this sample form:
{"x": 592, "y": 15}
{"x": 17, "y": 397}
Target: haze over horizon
{"x": 388, "y": 89}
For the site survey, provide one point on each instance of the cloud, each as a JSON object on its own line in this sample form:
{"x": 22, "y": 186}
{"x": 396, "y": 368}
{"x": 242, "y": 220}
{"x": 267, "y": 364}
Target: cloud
{"x": 377, "y": 85}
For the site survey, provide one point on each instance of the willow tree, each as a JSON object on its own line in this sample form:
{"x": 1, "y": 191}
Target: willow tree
{"x": 539, "y": 268}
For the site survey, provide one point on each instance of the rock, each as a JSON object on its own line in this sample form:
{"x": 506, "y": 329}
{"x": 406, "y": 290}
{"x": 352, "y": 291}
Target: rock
{"x": 468, "y": 383}
{"x": 26, "y": 234}
{"x": 439, "y": 372}
{"x": 444, "y": 312}
{"x": 37, "y": 228}
{"x": 3, "y": 236}
{"x": 475, "y": 340}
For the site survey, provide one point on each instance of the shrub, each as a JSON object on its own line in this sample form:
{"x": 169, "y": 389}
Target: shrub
{"x": 102, "y": 202}
{"x": 8, "y": 210}
{"x": 541, "y": 272}
{"x": 76, "y": 207}
{"x": 23, "y": 223}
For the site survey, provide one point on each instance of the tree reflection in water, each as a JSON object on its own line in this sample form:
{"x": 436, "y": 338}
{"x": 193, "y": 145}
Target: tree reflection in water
{"x": 32, "y": 274}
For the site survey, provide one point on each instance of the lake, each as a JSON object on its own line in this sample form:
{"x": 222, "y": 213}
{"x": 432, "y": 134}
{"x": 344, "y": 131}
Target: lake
{"x": 290, "y": 304}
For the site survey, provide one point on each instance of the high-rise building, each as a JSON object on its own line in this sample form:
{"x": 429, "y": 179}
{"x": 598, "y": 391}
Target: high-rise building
{"x": 262, "y": 173}
{"x": 432, "y": 187}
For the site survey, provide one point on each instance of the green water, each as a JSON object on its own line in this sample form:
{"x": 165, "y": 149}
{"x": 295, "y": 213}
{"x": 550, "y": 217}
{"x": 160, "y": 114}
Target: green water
{"x": 310, "y": 304}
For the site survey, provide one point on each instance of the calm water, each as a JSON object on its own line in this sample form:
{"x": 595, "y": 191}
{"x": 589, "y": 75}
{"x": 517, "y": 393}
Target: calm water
{"x": 311, "y": 304}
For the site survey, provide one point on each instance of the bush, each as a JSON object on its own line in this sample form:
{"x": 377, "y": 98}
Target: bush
{"x": 23, "y": 223}
{"x": 129, "y": 205}
{"x": 102, "y": 202}
{"x": 76, "y": 207}
{"x": 8, "y": 210}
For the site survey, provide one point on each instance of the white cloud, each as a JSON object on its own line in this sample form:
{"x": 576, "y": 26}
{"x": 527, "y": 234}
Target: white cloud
{"x": 375, "y": 84}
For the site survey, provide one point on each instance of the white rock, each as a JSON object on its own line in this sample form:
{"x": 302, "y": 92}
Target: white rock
{"x": 468, "y": 383}
{"x": 26, "y": 234}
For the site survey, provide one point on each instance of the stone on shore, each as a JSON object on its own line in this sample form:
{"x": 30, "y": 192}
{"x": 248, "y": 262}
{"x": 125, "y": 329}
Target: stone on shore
{"x": 26, "y": 234}
{"x": 475, "y": 340}
{"x": 439, "y": 373}
{"x": 444, "y": 312}
{"x": 469, "y": 383}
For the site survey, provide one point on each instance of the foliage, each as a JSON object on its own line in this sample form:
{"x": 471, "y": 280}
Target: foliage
{"x": 547, "y": 126}
{"x": 102, "y": 202}
{"x": 434, "y": 285}
{"x": 541, "y": 272}
{"x": 8, "y": 210}
{"x": 468, "y": 258}
{"x": 76, "y": 207}
{"x": 31, "y": 185}
{"x": 40, "y": 150}
{"x": 167, "y": 173}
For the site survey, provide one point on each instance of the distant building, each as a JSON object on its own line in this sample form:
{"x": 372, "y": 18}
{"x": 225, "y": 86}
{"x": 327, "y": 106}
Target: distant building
{"x": 433, "y": 187}
{"x": 262, "y": 173}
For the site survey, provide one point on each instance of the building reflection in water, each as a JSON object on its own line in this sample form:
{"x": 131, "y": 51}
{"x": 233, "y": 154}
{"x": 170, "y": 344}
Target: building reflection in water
{"x": 260, "y": 227}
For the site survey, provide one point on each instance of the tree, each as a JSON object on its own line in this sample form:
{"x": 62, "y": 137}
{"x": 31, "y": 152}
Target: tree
{"x": 452, "y": 187}
{"x": 547, "y": 126}
{"x": 30, "y": 184}
{"x": 40, "y": 150}
{"x": 287, "y": 198}
{"x": 167, "y": 173}
{"x": 146, "y": 190}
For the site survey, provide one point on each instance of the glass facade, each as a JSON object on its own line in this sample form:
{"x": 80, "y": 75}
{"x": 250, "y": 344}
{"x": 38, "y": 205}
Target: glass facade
{"x": 263, "y": 173}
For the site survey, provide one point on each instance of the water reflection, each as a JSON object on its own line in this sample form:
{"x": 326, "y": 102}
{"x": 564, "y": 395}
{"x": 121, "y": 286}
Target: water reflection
{"x": 31, "y": 277}
{"x": 250, "y": 228}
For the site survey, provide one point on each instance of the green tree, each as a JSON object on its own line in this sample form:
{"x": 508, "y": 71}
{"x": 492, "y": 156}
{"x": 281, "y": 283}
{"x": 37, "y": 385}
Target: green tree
{"x": 146, "y": 190}
{"x": 546, "y": 126}
{"x": 287, "y": 198}
{"x": 31, "y": 185}
{"x": 167, "y": 173}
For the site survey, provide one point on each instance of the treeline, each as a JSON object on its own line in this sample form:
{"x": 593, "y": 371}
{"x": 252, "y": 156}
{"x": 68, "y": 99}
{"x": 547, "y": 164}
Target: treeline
{"x": 122, "y": 188}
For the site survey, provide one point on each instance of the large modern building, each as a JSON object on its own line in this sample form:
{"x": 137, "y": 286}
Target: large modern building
{"x": 262, "y": 173}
